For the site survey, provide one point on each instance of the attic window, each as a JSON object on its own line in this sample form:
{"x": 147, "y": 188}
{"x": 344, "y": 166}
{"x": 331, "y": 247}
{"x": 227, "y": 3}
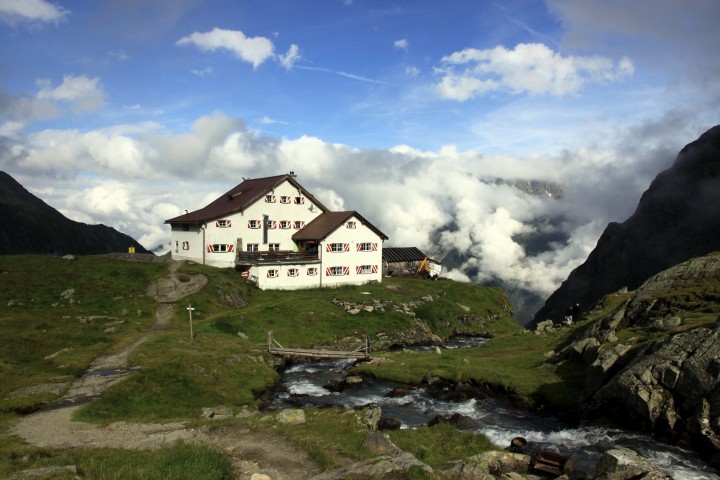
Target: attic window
{"x": 269, "y": 198}
{"x": 299, "y": 200}
{"x": 351, "y": 225}
{"x": 284, "y": 199}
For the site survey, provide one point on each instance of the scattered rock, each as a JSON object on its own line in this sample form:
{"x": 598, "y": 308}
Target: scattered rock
{"x": 544, "y": 327}
{"x": 245, "y": 413}
{"x": 380, "y": 444}
{"x": 57, "y": 354}
{"x": 389, "y": 423}
{"x": 461, "y": 422}
{"x": 291, "y": 416}
{"x": 666, "y": 324}
{"x": 487, "y": 463}
{"x": 68, "y": 257}
{"x": 259, "y": 476}
{"x": 46, "y": 472}
{"x": 353, "y": 380}
{"x": 399, "y": 392}
{"x": 383, "y": 466}
{"x": 67, "y": 294}
{"x": 370, "y": 416}
{"x": 625, "y": 464}
{"x": 51, "y": 388}
{"x": 217, "y": 413}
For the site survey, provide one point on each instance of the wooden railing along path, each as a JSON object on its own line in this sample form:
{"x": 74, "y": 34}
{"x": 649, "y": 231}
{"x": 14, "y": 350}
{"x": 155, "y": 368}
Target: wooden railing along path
{"x": 362, "y": 352}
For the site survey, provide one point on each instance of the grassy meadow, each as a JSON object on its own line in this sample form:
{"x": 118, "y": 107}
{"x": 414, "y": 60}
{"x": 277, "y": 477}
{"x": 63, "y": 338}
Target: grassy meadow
{"x": 51, "y": 336}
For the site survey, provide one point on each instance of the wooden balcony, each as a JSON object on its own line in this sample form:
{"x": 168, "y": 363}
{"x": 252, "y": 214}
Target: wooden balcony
{"x": 275, "y": 257}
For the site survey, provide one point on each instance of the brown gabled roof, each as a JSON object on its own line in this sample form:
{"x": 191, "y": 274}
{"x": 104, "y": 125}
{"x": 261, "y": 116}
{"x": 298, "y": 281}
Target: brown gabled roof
{"x": 241, "y": 197}
{"x": 328, "y": 222}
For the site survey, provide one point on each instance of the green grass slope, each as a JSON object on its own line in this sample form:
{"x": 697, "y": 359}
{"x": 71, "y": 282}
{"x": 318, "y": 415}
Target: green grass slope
{"x": 58, "y": 315}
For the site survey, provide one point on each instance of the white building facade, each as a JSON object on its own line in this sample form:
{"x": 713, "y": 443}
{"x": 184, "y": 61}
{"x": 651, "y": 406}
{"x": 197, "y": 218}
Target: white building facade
{"x": 279, "y": 236}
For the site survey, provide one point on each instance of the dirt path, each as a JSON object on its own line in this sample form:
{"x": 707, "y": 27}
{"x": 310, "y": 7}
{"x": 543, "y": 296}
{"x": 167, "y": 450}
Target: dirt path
{"x": 249, "y": 452}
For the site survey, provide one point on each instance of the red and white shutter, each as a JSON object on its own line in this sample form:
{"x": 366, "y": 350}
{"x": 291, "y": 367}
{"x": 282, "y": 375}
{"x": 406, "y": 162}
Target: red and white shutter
{"x": 328, "y": 247}
{"x": 230, "y": 247}
{"x": 374, "y": 269}
{"x": 358, "y": 269}
{"x": 328, "y": 272}
{"x": 210, "y": 249}
{"x": 346, "y": 270}
{"x": 346, "y": 247}
{"x": 374, "y": 247}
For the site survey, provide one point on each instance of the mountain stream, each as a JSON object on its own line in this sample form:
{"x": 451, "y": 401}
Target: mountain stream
{"x": 305, "y": 385}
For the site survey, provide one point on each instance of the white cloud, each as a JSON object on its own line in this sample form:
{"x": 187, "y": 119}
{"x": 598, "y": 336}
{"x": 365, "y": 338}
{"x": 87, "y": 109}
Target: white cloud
{"x": 202, "y": 71}
{"x": 292, "y": 56}
{"x": 528, "y": 68}
{"x": 412, "y": 71}
{"x": 401, "y": 44}
{"x": 12, "y": 11}
{"x": 254, "y": 50}
{"x": 83, "y": 94}
{"x": 140, "y": 175}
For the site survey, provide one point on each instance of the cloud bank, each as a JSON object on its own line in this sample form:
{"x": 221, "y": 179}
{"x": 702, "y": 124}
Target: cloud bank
{"x": 435, "y": 200}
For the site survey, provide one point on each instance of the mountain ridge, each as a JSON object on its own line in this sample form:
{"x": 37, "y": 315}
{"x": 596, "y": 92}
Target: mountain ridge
{"x": 32, "y": 226}
{"x": 677, "y": 218}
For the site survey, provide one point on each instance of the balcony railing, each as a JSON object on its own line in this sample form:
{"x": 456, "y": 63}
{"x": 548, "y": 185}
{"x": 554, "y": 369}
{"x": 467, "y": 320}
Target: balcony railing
{"x": 257, "y": 258}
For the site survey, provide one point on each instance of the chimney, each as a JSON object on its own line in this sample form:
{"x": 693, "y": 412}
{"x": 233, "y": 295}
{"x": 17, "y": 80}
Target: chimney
{"x": 292, "y": 174}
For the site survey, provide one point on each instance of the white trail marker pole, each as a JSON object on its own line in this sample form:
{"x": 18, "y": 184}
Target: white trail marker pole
{"x": 190, "y": 310}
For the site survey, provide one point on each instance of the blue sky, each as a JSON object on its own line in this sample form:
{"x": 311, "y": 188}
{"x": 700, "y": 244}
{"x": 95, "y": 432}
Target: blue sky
{"x": 128, "y": 112}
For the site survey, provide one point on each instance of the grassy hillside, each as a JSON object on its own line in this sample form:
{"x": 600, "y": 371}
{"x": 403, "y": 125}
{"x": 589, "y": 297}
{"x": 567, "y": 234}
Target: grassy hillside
{"x": 58, "y": 315}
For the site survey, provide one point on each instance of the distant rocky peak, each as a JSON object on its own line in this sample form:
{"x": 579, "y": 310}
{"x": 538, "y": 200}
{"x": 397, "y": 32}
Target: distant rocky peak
{"x": 531, "y": 187}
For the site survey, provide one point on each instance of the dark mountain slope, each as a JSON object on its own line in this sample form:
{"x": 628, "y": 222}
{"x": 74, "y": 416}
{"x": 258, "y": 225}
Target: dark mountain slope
{"x": 677, "y": 218}
{"x": 29, "y": 225}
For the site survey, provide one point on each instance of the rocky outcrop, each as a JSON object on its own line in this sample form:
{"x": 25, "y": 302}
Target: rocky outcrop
{"x": 677, "y": 218}
{"x": 668, "y": 382}
{"x": 31, "y": 226}
{"x": 671, "y": 389}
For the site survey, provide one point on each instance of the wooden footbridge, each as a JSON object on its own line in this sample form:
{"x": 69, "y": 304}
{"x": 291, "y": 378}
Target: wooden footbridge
{"x": 362, "y": 352}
